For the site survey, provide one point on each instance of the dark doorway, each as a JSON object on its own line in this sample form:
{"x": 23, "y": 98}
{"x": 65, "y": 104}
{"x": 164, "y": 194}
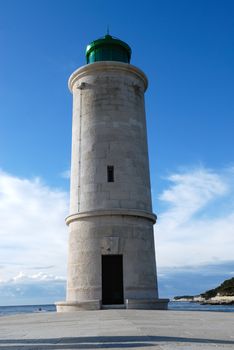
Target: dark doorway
{"x": 112, "y": 279}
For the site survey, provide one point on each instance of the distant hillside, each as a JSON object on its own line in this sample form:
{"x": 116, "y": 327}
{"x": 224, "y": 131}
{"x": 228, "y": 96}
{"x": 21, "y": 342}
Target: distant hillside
{"x": 225, "y": 289}
{"x": 221, "y": 294}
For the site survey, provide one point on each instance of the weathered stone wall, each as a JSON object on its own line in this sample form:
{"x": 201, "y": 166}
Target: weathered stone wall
{"x": 91, "y": 237}
{"x": 109, "y": 129}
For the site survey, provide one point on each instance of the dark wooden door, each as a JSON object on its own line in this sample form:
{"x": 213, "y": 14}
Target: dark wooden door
{"x": 112, "y": 279}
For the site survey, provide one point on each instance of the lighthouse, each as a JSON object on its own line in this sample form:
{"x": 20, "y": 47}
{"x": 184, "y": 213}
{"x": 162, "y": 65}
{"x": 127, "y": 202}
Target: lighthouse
{"x": 111, "y": 253}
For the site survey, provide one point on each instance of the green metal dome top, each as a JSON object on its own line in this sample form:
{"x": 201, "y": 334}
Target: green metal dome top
{"x": 108, "y": 48}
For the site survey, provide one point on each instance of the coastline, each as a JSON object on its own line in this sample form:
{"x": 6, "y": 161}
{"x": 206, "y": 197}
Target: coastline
{"x": 217, "y": 300}
{"x": 220, "y": 300}
{"x": 173, "y": 305}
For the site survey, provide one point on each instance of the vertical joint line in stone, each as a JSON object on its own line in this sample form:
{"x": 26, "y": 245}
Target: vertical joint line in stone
{"x": 79, "y": 150}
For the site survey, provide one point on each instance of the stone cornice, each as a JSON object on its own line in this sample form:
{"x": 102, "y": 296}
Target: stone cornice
{"x": 106, "y": 66}
{"x": 112, "y": 212}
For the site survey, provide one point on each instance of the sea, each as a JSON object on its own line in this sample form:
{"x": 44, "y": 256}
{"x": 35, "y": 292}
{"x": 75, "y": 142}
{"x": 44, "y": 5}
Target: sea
{"x": 178, "y": 306}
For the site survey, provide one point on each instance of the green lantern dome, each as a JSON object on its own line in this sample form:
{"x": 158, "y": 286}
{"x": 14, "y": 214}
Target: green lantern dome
{"x": 108, "y": 48}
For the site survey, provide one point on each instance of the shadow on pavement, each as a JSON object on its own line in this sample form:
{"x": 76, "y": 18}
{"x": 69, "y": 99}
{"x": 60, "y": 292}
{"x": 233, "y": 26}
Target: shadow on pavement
{"x": 105, "y": 342}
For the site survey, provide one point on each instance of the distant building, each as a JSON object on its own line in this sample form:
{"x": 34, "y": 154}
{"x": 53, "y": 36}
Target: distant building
{"x": 111, "y": 259}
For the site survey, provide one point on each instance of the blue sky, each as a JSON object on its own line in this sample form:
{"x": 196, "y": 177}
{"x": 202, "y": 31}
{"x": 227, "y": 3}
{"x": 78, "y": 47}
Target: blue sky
{"x": 186, "y": 48}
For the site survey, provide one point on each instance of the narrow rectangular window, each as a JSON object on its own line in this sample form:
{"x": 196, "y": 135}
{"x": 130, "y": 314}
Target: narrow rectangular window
{"x": 110, "y": 173}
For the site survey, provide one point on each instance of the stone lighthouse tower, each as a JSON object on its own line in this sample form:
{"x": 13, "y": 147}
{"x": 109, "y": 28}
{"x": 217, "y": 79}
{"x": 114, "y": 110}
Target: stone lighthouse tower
{"x": 111, "y": 260}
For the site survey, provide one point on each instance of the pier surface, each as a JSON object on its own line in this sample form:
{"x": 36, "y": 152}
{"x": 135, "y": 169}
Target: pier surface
{"x": 117, "y": 329}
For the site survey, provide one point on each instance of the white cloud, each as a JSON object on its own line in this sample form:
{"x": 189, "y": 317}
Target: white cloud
{"x": 198, "y": 225}
{"x": 66, "y": 174}
{"x": 196, "y": 228}
{"x": 37, "y": 277}
{"x": 32, "y": 289}
{"x": 32, "y": 227}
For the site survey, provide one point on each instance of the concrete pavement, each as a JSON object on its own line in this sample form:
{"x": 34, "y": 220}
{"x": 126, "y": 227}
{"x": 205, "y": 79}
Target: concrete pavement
{"x": 115, "y": 329}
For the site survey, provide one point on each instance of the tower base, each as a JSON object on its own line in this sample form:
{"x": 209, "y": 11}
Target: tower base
{"x": 147, "y": 304}
{"x": 143, "y": 304}
{"x": 71, "y": 306}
